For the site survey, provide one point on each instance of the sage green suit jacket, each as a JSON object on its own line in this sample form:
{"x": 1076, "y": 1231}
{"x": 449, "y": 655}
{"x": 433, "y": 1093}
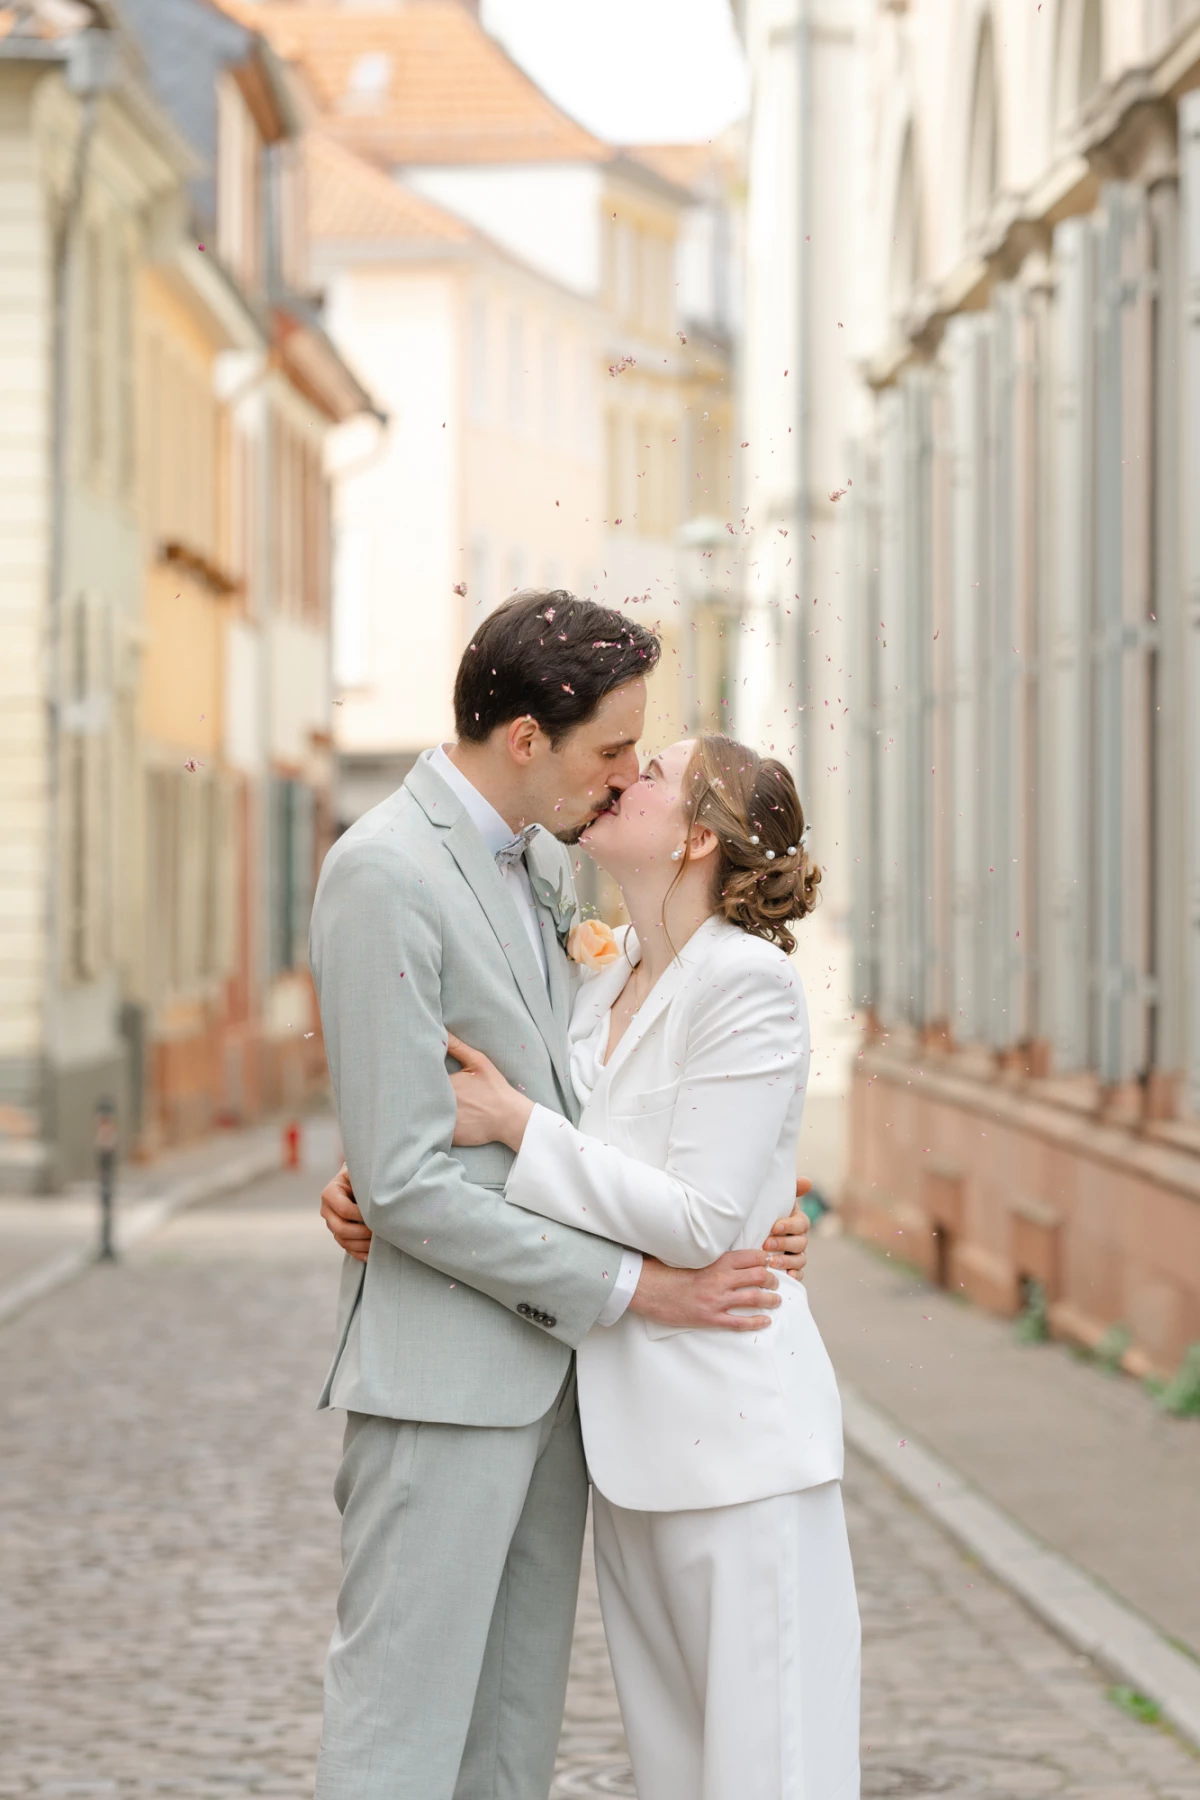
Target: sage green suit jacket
{"x": 470, "y": 1307}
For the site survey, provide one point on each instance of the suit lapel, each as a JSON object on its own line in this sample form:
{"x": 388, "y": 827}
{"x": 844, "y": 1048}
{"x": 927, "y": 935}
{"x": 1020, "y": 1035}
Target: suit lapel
{"x": 558, "y": 964}
{"x": 479, "y": 869}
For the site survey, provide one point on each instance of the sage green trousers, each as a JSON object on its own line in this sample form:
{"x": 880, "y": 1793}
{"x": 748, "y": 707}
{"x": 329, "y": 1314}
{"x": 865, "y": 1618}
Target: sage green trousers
{"x": 461, "y": 1548}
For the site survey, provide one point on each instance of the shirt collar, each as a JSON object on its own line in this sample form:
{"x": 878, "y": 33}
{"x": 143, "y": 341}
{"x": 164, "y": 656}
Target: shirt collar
{"x": 495, "y": 831}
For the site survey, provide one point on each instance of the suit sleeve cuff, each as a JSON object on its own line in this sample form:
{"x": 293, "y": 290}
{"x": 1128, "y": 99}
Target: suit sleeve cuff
{"x": 628, "y": 1276}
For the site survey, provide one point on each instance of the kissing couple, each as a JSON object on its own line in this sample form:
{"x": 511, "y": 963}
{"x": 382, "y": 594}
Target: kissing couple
{"x": 563, "y": 1149}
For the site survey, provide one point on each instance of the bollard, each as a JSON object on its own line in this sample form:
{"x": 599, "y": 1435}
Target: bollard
{"x": 291, "y": 1146}
{"x": 106, "y": 1162}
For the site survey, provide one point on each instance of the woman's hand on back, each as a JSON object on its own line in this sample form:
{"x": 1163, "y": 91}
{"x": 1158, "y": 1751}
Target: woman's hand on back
{"x": 490, "y": 1109}
{"x": 786, "y": 1247}
{"x": 339, "y": 1209}
{"x": 787, "y": 1244}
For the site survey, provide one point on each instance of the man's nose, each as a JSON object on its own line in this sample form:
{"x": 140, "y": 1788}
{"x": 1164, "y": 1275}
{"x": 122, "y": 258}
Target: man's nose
{"x": 625, "y": 772}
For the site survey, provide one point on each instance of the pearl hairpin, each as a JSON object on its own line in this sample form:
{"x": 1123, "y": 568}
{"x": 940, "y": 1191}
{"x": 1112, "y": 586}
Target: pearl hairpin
{"x": 754, "y": 840}
{"x": 770, "y": 854}
{"x": 791, "y": 849}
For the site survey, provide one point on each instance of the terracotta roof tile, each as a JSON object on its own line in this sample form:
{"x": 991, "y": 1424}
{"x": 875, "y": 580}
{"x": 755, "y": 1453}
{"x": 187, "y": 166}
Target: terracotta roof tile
{"x": 695, "y": 167}
{"x": 350, "y": 199}
{"x": 423, "y": 84}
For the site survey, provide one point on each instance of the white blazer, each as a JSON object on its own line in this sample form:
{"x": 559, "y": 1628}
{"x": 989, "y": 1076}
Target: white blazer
{"x": 686, "y": 1148}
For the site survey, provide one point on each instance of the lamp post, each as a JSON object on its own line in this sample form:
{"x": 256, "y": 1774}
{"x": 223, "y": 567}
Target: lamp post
{"x": 106, "y": 1163}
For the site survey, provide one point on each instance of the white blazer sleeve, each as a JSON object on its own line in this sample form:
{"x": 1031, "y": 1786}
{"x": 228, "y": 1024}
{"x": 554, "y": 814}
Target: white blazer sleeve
{"x": 746, "y": 1052}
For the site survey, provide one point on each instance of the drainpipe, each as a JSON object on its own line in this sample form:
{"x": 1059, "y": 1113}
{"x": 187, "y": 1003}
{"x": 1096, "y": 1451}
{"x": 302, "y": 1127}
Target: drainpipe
{"x": 91, "y": 71}
{"x": 804, "y": 732}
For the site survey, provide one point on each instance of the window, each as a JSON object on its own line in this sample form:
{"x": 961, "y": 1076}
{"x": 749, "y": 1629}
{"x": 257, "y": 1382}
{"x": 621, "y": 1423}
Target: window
{"x": 95, "y": 373}
{"x": 613, "y": 464}
{"x": 1079, "y": 57}
{"x": 906, "y": 231}
{"x": 983, "y": 159}
{"x": 192, "y": 900}
{"x": 516, "y": 372}
{"x": 292, "y": 868}
{"x": 239, "y": 178}
{"x": 478, "y": 382}
{"x": 368, "y": 83}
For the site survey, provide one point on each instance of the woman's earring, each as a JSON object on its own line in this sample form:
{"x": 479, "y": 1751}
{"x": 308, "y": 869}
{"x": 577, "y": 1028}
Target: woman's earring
{"x": 675, "y": 855}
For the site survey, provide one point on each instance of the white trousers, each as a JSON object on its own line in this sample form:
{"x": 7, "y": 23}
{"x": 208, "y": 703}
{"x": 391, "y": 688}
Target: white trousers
{"x": 734, "y": 1639}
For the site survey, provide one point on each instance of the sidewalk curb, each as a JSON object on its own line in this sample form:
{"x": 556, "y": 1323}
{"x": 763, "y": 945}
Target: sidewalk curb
{"x": 1067, "y": 1599}
{"x": 143, "y": 1218}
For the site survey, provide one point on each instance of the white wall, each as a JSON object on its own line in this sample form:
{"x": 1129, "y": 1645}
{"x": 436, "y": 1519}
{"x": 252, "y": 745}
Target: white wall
{"x": 398, "y": 518}
{"x": 546, "y": 214}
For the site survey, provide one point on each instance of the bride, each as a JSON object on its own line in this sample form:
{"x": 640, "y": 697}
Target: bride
{"x": 721, "y": 1554}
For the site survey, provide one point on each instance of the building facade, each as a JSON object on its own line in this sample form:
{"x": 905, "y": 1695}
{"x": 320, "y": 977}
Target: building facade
{"x": 801, "y": 408}
{"x": 167, "y": 592}
{"x": 88, "y": 164}
{"x": 508, "y": 284}
{"x": 1026, "y": 662}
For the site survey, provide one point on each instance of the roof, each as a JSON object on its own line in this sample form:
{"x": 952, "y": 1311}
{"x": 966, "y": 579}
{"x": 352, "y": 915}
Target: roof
{"x": 424, "y": 84}
{"x": 348, "y": 198}
{"x": 697, "y": 168}
{"x": 51, "y": 20}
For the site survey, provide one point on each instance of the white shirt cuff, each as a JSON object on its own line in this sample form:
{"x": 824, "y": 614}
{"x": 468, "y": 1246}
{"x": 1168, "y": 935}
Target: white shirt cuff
{"x": 628, "y": 1276}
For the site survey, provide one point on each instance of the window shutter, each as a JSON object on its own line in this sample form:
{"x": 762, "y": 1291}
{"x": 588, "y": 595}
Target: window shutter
{"x": 1189, "y": 139}
{"x": 865, "y": 716}
{"x": 890, "y": 666}
{"x": 1121, "y": 635}
{"x": 1066, "y": 976}
{"x": 303, "y": 852}
{"x": 967, "y": 363}
{"x": 917, "y": 693}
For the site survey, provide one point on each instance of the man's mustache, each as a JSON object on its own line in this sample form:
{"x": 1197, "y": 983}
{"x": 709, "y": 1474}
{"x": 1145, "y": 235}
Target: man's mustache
{"x": 574, "y": 832}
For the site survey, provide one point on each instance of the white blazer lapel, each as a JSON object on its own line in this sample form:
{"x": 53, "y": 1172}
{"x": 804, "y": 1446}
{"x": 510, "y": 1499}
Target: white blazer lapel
{"x": 660, "y": 995}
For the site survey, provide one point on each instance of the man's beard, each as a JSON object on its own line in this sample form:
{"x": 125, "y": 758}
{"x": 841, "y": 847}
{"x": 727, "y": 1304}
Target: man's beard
{"x": 573, "y": 833}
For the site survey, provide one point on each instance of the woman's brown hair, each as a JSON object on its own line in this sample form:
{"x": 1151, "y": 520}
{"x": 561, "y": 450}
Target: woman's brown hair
{"x": 764, "y": 878}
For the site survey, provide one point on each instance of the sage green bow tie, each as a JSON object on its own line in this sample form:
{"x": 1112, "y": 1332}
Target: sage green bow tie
{"x": 510, "y": 854}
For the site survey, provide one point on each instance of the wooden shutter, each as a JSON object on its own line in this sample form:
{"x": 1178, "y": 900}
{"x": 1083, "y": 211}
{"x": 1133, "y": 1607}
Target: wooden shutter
{"x": 917, "y": 694}
{"x": 1189, "y": 640}
{"x": 967, "y": 358}
{"x": 1121, "y": 636}
{"x": 889, "y": 665}
{"x": 1066, "y": 718}
{"x": 865, "y": 809}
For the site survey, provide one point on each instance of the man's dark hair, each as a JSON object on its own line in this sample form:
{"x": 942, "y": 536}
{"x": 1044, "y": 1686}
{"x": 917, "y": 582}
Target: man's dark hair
{"x": 548, "y": 655}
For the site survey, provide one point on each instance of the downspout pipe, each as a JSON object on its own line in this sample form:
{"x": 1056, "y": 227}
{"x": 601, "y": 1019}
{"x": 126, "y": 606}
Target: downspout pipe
{"x": 90, "y": 72}
{"x": 803, "y": 128}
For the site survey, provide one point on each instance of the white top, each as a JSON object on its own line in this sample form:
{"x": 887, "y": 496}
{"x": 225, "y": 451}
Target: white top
{"x": 686, "y": 1147}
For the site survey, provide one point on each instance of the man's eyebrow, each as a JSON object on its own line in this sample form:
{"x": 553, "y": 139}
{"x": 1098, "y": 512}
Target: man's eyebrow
{"x": 625, "y": 744}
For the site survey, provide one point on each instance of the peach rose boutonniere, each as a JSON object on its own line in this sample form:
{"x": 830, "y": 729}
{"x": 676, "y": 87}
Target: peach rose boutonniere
{"x": 593, "y": 945}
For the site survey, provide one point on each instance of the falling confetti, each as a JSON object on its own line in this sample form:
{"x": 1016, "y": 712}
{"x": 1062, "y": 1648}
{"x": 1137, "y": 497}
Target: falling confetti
{"x": 192, "y": 766}
{"x": 460, "y": 587}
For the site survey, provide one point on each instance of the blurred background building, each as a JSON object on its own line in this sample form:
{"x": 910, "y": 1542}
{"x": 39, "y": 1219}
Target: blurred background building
{"x": 327, "y": 328}
{"x": 1025, "y": 657}
{"x": 167, "y": 769}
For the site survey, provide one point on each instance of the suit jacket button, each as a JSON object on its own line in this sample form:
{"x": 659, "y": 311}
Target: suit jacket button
{"x": 549, "y": 1321}
{"x": 523, "y": 1309}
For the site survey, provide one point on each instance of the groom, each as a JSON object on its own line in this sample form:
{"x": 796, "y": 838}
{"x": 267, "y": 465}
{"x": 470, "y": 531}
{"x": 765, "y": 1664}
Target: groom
{"x": 462, "y": 1486}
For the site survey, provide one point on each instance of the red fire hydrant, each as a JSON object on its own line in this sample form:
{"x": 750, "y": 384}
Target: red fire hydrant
{"x": 291, "y": 1146}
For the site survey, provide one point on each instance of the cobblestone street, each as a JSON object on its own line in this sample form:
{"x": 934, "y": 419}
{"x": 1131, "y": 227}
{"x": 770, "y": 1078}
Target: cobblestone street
{"x": 168, "y": 1558}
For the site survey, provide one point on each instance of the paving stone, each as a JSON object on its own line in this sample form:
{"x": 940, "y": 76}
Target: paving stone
{"x": 168, "y": 1557}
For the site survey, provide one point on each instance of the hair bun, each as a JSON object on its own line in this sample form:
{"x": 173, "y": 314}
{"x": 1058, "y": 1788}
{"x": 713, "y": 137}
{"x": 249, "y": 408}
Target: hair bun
{"x": 765, "y": 879}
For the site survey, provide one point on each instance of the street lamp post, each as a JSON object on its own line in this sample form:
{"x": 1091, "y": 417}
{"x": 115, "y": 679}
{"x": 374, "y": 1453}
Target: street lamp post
{"x": 106, "y": 1163}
